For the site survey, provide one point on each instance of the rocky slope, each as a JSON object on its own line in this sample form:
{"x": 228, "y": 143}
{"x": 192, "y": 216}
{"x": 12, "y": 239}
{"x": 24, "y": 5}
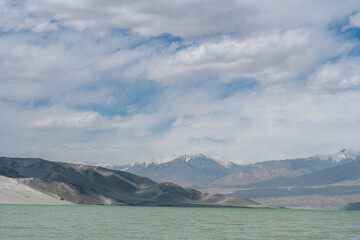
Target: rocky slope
{"x": 83, "y": 184}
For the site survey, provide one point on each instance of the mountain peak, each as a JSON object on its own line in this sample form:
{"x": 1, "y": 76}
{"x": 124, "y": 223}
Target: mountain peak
{"x": 340, "y": 156}
{"x": 343, "y": 150}
{"x": 349, "y": 151}
{"x": 216, "y": 160}
{"x": 188, "y": 158}
{"x": 184, "y": 158}
{"x": 200, "y": 155}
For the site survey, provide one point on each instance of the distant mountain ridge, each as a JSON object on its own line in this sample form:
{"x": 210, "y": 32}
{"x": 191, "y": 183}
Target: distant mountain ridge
{"x": 183, "y": 158}
{"x": 201, "y": 171}
{"x": 190, "y": 171}
{"x": 344, "y": 156}
{"x": 335, "y": 187}
{"x": 288, "y": 168}
{"x": 84, "y": 184}
{"x": 322, "y": 181}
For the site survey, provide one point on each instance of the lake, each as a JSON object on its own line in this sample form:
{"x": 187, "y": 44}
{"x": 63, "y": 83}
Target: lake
{"x": 112, "y": 222}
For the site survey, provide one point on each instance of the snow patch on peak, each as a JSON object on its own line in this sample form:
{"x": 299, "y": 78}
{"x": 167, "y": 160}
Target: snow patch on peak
{"x": 152, "y": 162}
{"x": 222, "y": 163}
{"x": 351, "y": 153}
{"x": 185, "y": 158}
{"x": 227, "y": 164}
{"x": 198, "y": 158}
{"x": 149, "y": 163}
{"x": 200, "y": 155}
{"x": 338, "y": 157}
{"x": 144, "y": 164}
{"x": 218, "y": 161}
{"x": 105, "y": 165}
{"x": 188, "y": 158}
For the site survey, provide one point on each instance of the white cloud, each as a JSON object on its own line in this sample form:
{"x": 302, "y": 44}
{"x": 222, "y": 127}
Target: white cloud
{"x": 266, "y": 58}
{"x": 181, "y": 18}
{"x": 14, "y": 16}
{"x": 32, "y": 68}
{"x": 75, "y": 120}
{"x": 63, "y": 51}
{"x": 258, "y": 127}
{"x": 251, "y": 127}
{"x": 354, "y": 21}
{"x": 343, "y": 75}
{"x": 29, "y": 71}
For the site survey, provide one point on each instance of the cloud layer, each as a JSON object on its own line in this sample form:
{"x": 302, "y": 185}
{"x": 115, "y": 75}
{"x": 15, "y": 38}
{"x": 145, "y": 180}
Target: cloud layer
{"x": 119, "y": 82}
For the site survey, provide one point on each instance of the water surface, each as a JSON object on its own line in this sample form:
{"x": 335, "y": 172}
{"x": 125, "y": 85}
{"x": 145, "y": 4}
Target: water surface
{"x": 105, "y": 222}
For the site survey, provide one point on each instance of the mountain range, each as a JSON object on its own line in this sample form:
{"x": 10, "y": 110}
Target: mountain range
{"x": 327, "y": 181}
{"x": 83, "y": 184}
{"x": 333, "y": 178}
{"x": 191, "y": 171}
{"x": 201, "y": 171}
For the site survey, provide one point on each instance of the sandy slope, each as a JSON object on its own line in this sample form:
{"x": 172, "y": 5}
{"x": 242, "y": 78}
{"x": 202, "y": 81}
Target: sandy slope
{"x": 12, "y": 191}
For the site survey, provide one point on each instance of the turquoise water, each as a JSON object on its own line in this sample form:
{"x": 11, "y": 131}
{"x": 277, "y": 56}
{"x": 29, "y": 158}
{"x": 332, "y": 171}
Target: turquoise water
{"x": 104, "y": 222}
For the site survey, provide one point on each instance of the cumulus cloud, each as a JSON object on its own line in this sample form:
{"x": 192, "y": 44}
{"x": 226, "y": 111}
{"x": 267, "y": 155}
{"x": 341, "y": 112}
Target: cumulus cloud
{"x": 267, "y": 58}
{"x": 29, "y": 70}
{"x": 181, "y": 18}
{"x": 78, "y": 120}
{"x": 14, "y": 16}
{"x": 33, "y": 67}
{"x": 343, "y": 75}
{"x": 123, "y": 81}
{"x": 234, "y": 128}
{"x": 354, "y": 21}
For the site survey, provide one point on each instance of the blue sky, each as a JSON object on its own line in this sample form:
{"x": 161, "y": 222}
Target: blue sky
{"x": 124, "y": 81}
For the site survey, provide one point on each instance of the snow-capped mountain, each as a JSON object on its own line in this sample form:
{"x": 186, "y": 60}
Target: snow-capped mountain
{"x": 191, "y": 171}
{"x": 204, "y": 171}
{"x": 322, "y": 181}
{"x": 344, "y": 156}
{"x": 289, "y": 168}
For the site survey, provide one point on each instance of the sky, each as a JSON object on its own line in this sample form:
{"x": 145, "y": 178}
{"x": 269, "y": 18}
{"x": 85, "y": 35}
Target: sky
{"x": 118, "y": 82}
